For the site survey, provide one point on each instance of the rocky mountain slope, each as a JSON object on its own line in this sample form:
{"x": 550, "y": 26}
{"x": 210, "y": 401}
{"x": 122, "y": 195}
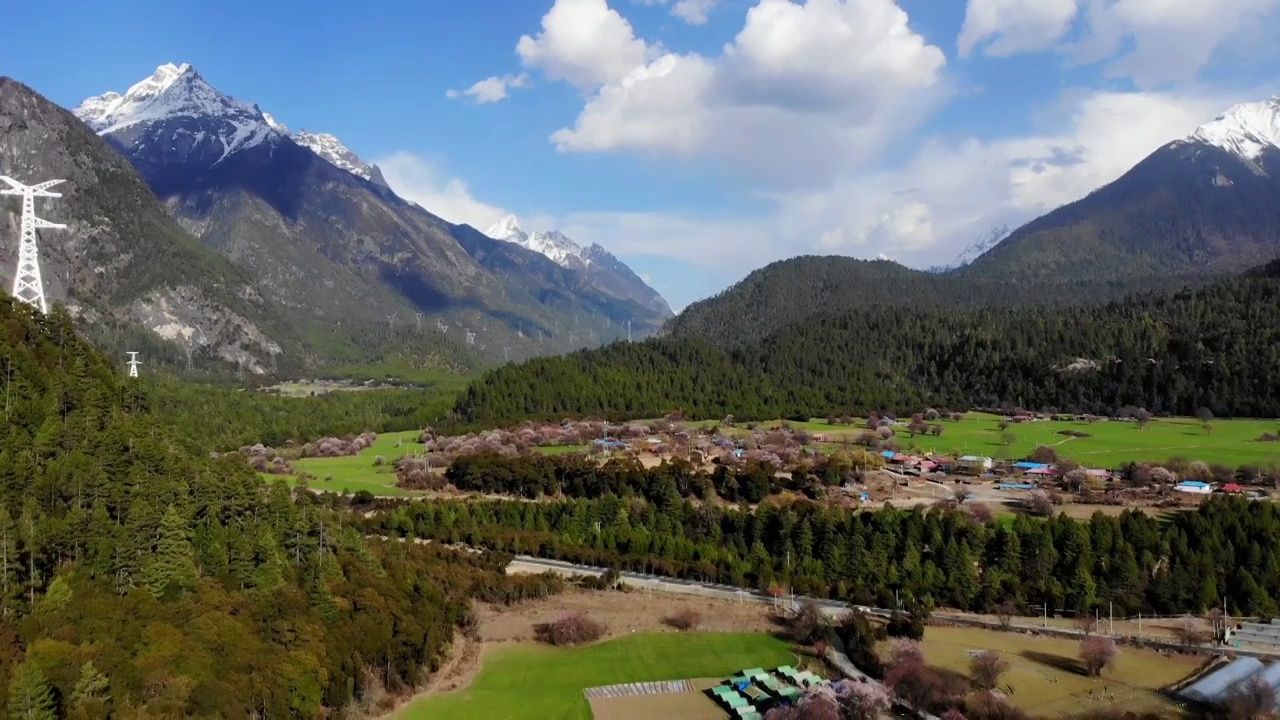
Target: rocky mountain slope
{"x": 122, "y": 264}
{"x": 601, "y": 267}
{"x": 1206, "y": 204}
{"x": 337, "y": 250}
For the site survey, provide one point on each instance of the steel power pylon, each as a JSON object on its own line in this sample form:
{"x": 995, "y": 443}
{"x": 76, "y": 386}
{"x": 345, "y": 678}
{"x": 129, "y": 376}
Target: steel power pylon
{"x": 27, "y": 285}
{"x": 133, "y": 364}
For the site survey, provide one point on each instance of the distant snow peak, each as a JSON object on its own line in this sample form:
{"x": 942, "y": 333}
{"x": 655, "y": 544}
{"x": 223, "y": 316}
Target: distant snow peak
{"x": 178, "y": 92}
{"x": 508, "y": 228}
{"x": 332, "y": 150}
{"x": 276, "y": 124}
{"x": 989, "y": 240}
{"x": 553, "y": 244}
{"x": 1247, "y": 130}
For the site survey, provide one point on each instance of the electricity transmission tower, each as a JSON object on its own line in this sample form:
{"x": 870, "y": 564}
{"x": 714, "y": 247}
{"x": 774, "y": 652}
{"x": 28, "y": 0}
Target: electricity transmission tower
{"x": 133, "y": 364}
{"x": 391, "y": 320}
{"x": 471, "y": 337}
{"x": 506, "y": 353}
{"x": 418, "y": 316}
{"x": 441, "y": 326}
{"x": 27, "y": 285}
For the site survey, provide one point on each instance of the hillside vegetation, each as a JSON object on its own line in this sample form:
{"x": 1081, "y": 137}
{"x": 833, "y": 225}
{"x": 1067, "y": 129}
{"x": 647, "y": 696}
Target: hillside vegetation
{"x": 1215, "y": 347}
{"x": 141, "y": 579}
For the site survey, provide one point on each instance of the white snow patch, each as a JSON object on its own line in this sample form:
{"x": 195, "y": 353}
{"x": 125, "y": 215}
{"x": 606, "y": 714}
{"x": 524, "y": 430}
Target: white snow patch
{"x": 1247, "y": 130}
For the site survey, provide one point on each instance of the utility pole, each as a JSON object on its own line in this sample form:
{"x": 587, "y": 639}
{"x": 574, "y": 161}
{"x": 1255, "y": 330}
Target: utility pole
{"x": 27, "y": 285}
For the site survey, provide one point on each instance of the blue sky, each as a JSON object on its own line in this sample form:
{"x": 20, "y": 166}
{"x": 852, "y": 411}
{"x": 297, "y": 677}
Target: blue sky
{"x": 699, "y": 139}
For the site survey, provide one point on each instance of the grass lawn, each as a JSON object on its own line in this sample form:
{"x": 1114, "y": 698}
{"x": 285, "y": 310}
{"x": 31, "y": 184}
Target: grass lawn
{"x": 535, "y": 681}
{"x": 1233, "y": 442}
{"x": 1046, "y": 676}
{"x": 353, "y": 473}
{"x": 560, "y": 449}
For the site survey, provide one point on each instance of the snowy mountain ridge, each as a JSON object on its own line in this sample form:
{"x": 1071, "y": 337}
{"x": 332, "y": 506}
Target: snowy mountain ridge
{"x": 992, "y": 238}
{"x": 331, "y": 149}
{"x": 553, "y": 244}
{"x": 599, "y": 266}
{"x": 179, "y": 92}
{"x": 1247, "y": 130}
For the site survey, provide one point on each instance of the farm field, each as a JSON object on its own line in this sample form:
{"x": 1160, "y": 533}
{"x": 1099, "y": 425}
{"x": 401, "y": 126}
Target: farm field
{"x": 1233, "y": 442}
{"x": 1046, "y": 676}
{"x": 525, "y": 680}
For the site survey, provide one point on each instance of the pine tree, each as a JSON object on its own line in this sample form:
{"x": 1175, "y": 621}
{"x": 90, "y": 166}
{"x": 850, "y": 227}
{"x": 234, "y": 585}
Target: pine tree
{"x": 92, "y": 684}
{"x": 172, "y": 568}
{"x": 29, "y": 695}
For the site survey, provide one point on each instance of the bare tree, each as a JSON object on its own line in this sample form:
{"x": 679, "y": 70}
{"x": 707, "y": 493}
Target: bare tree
{"x": 1143, "y": 416}
{"x": 687, "y": 619}
{"x": 1189, "y": 632}
{"x": 1217, "y": 624}
{"x": 570, "y": 629}
{"x": 1038, "y": 502}
{"x": 985, "y": 669}
{"x": 980, "y": 512}
{"x": 1088, "y": 624}
{"x": 1044, "y": 454}
{"x": 1097, "y": 652}
{"x": 1075, "y": 480}
{"x": 1005, "y": 612}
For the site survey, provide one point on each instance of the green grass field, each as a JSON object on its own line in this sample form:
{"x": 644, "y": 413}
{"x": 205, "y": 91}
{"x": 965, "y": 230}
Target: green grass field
{"x": 1232, "y": 442}
{"x": 354, "y": 473}
{"x": 545, "y": 683}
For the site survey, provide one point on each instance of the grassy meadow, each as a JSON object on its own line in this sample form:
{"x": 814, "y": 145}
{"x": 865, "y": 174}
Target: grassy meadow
{"x": 353, "y": 473}
{"x": 1232, "y": 442}
{"x": 525, "y": 680}
{"x": 1048, "y": 680}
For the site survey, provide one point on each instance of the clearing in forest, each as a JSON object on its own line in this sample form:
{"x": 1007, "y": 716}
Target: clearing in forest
{"x": 353, "y": 473}
{"x": 526, "y": 680}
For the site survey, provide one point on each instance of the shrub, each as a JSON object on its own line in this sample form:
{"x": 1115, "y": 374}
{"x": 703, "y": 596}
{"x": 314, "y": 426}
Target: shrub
{"x": 1097, "y": 652}
{"x": 986, "y": 668}
{"x": 687, "y": 619}
{"x": 573, "y": 628}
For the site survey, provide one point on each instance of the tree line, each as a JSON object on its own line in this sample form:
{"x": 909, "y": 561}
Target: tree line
{"x": 1172, "y": 353}
{"x": 1227, "y": 550}
{"x": 140, "y": 578}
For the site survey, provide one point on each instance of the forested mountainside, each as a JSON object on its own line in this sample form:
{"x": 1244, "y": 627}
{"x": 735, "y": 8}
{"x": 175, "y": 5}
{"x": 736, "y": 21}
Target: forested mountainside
{"x": 138, "y": 579}
{"x": 804, "y": 288}
{"x": 1191, "y": 207}
{"x": 1214, "y": 347}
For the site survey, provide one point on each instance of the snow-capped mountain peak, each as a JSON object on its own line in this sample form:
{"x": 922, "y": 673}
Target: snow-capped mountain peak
{"x": 555, "y": 245}
{"x": 1247, "y": 130}
{"x": 331, "y": 149}
{"x": 508, "y": 228}
{"x": 276, "y": 124}
{"x": 973, "y": 252}
{"x": 179, "y": 94}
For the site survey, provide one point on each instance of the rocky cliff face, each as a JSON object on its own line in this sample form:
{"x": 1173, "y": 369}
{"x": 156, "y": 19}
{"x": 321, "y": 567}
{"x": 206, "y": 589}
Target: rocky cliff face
{"x": 122, "y": 261}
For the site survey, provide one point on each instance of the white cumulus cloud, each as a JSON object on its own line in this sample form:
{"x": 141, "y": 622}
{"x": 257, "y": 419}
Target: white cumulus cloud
{"x": 491, "y": 89}
{"x": 802, "y": 90}
{"x": 419, "y": 180}
{"x": 694, "y": 12}
{"x": 1154, "y": 42}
